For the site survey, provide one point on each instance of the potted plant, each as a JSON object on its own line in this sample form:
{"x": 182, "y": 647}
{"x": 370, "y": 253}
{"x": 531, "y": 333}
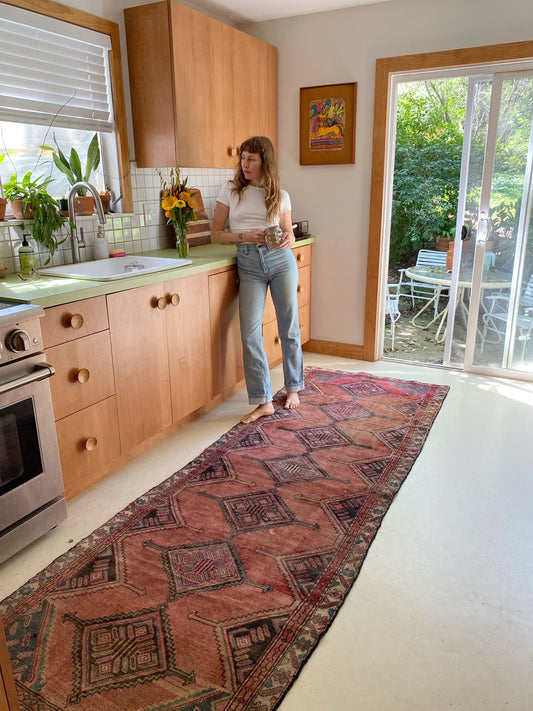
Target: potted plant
{"x": 73, "y": 169}
{"x": 30, "y": 200}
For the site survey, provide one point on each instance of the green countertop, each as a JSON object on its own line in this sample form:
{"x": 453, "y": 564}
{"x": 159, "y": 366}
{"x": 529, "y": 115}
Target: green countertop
{"x": 53, "y": 291}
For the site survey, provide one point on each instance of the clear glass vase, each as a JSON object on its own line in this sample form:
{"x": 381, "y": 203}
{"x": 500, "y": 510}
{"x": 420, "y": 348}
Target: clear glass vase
{"x": 182, "y": 246}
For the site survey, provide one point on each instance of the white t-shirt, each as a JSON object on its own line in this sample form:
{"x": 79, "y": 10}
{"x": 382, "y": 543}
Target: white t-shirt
{"x": 250, "y": 212}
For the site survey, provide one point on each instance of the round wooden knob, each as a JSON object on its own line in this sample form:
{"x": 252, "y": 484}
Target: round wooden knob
{"x": 232, "y": 151}
{"x": 83, "y": 375}
{"x": 161, "y": 303}
{"x": 174, "y": 299}
{"x": 277, "y": 340}
{"x": 300, "y": 289}
{"x": 76, "y": 321}
{"x": 90, "y": 443}
{"x": 300, "y": 257}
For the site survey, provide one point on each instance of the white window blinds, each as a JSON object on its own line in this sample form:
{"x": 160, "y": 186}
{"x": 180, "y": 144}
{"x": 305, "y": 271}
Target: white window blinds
{"x": 53, "y": 72}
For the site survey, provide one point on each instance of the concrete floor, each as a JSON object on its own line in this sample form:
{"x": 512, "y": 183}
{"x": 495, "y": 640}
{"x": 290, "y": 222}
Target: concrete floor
{"x": 441, "y": 614}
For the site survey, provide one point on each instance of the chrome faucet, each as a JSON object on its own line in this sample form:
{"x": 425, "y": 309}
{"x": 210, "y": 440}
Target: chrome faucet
{"x": 76, "y": 242}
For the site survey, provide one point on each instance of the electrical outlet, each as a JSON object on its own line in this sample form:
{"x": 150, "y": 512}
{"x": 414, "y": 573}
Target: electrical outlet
{"x": 150, "y": 210}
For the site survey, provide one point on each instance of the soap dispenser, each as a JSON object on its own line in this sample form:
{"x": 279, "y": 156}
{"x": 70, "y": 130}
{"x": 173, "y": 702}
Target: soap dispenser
{"x": 101, "y": 248}
{"x": 26, "y": 257}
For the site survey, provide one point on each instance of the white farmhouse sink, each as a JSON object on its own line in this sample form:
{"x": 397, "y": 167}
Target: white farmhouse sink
{"x": 114, "y": 268}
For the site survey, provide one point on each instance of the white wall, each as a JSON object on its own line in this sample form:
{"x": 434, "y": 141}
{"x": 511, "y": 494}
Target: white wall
{"x": 336, "y": 47}
{"x": 342, "y": 46}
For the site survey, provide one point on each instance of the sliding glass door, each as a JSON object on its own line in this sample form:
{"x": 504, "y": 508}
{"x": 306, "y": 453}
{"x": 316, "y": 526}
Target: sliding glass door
{"x": 491, "y": 293}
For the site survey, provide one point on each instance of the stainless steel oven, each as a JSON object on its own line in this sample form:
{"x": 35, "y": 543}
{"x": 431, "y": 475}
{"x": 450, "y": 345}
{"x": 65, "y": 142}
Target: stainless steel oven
{"x": 31, "y": 483}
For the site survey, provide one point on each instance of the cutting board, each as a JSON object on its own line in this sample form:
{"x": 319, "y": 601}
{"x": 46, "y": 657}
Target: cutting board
{"x": 199, "y": 230}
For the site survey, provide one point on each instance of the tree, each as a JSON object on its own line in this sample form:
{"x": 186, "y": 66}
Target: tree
{"x": 429, "y": 136}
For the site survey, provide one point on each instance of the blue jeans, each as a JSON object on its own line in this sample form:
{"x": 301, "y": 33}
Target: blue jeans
{"x": 258, "y": 269}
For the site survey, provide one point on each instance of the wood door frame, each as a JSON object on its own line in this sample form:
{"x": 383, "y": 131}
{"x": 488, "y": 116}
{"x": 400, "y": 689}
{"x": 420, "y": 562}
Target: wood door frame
{"x": 385, "y": 68}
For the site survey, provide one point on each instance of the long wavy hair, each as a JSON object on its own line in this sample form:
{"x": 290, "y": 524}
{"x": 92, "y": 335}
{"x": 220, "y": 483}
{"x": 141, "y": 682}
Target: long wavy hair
{"x": 271, "y": 183}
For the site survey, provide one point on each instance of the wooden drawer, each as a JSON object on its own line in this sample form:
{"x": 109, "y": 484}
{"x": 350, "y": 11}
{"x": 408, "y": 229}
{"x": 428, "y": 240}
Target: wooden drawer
{"x": 302, "y": 255}
{"x": 304, "y": 316}
{"x": 84, "y": 373}
{"x": 75, "y": 320}
{"x": 303, "y": 292}
{"x": 304, "y": 286}
{"x": 272, "y": 341}
{"x": 88, "y": 440}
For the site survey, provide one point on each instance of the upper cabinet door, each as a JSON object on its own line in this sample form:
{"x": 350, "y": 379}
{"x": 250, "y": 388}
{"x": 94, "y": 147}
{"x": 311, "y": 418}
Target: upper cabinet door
{"x": 203, "y": 88}
{"x": 255, "y": 88}
{"x": 151, "y": 85}
{"x": 198, "y": 87}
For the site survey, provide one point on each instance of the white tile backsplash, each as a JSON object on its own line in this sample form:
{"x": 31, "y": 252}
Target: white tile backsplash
{"x": 129, "y": 231}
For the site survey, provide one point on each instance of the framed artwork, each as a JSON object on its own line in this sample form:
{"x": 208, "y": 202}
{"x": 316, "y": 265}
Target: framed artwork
{"x": 327, "y": 124}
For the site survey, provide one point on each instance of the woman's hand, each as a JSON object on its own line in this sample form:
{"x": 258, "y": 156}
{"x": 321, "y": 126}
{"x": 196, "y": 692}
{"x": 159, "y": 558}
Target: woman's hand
{"x": 254, "y": 236}
{"x": 287, "y": 240}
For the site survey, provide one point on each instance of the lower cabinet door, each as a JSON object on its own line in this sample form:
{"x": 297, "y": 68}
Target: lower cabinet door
{"x": 88, "y": 440}
{"x": 272, "y": 342}
{"x": 226, "y": 344}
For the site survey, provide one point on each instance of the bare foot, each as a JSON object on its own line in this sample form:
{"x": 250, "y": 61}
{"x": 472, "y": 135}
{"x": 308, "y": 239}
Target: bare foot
{"x": 292, "y": 401}
{"x": 260, "y": 411}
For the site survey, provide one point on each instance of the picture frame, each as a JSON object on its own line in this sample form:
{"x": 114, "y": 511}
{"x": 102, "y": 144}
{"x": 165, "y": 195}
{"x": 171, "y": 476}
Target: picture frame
{"x": 327, "y": 124}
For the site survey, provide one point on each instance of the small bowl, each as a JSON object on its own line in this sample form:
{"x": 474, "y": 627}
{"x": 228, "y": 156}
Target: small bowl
{"x": 3, "y": 272}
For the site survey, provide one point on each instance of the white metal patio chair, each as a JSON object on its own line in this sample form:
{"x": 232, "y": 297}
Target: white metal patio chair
{"x": 418, "y": 290}
{"x": 392, "y": 297}
{"x": 496, "y": 318}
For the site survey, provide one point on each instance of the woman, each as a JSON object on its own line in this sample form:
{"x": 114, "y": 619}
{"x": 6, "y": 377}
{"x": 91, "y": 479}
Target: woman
{"x": 252, "y": 201}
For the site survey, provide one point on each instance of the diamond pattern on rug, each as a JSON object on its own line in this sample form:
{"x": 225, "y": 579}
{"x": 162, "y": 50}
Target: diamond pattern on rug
{"x": 247, "y": 642}
{"x": 252, "y": 439}
{"x": 322, "y": 437}
{"x": 251, "y": 512}
{"x": 306, "y": 569}
{"x": 212, "y": 472}
{"x": 126, "y": 648}
{"x": 161, "y": 514}
{"x": 346, "y": 411}
{"x": 291, "y": 469}
{"x": 103, "y": 569}
{"x": 393, "y": 437}
{"x": 364, "y": 388}
{"x": 200, "y": 567}
{"x": 372, "y": 470}
{"x": 346, "y": 509}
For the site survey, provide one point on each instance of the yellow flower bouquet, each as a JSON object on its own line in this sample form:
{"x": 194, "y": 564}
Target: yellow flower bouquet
{"x": 178, "y": 206}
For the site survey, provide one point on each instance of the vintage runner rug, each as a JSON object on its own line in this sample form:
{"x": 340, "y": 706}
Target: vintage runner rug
{"x": 209, "y": 592}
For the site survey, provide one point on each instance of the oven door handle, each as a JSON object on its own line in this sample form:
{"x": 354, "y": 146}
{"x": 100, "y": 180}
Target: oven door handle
{"x": 40, "y": 372}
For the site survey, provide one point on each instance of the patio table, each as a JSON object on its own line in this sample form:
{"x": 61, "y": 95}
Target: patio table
{"x": 430, "y": 275}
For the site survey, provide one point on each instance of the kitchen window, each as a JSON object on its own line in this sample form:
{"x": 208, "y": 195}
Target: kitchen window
{"x": 61, "y": 79}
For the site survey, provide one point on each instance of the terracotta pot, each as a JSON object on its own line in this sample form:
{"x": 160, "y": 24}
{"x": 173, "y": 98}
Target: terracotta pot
{"x": 83, "y": 204}
{"x": 442, "y": 244}
{"x": 16, "y": 206}
{"x": 449, "y": 256}
{"x": 3, "y": 203}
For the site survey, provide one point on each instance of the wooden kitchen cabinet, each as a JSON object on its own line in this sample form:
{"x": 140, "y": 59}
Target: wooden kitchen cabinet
{"x": 88, "y": 441}
{"x": 199, "y": 87}
{"x": 162, "y": 357}
{"x": 226, "y": 345}
{"x": 272, "y": 341}
{"x": 78, "y": 346}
